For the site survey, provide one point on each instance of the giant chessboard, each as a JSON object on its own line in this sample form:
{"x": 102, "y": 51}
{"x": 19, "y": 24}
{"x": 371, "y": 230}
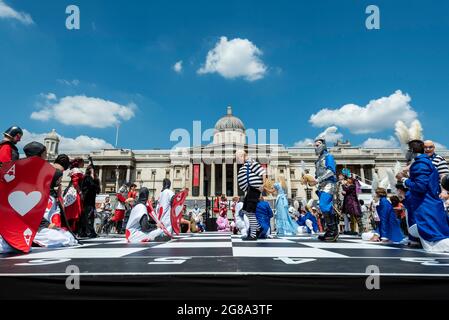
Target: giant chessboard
{"x": 222, "y": 265}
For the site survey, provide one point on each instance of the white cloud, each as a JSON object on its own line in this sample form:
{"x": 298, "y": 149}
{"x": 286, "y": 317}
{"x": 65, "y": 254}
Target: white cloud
{"x": 376, "y": 116}
{"x": 178, "y": 67}
{"x": 85, "y": 111}
{"x": 331, "y": 135}
{"x": 7, "y": 12}
{"x": 68, "y": 145}
{"x": 233, "y": 59}
{"x": 439, "y": 146}
{"x": 70, "y": 83}
{"x": 48, "y": 96}
{"x": 380, "y": 143}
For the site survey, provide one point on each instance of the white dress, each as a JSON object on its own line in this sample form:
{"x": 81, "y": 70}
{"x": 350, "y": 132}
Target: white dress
{"x": 54, "y": 238}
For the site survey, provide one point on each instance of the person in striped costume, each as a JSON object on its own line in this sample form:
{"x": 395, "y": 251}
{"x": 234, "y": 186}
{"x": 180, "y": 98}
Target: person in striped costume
{"x": 250, "y": 179}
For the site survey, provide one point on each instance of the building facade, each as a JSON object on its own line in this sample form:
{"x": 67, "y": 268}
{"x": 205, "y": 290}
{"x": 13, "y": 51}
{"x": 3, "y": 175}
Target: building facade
{"x": 211, "y": 170}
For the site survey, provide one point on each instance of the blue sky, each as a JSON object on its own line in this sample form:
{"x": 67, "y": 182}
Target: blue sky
{"x": 285, "y": 61}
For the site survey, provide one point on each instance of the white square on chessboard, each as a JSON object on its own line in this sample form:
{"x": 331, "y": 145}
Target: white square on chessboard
{"x": 341, "y": 245}
{"x": 82, "y": 253}
{"x": 284, "y": 252}
{"x": 194, "y": 244}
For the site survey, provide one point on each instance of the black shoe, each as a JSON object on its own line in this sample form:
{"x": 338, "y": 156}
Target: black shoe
{"x": 329, "y": 236}
{"x": 249, "y": 238}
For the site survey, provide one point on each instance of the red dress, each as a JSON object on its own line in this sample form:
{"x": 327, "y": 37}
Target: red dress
{"x": 73, "y": 212}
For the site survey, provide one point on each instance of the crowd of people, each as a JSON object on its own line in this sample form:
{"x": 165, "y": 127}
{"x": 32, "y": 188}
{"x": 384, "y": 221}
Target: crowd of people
{"x": 414, "y": 211}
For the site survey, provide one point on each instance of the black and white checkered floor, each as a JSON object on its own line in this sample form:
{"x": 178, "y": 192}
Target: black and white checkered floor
{"x": 222, "y": 253}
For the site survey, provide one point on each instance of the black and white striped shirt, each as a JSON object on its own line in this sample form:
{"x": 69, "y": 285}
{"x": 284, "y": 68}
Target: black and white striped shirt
{"x": 440, "y": 163}
{"x": 255, "y": 175}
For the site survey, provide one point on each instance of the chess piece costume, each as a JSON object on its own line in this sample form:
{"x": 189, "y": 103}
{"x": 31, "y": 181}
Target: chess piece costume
{"x": 285, "y": 226}
{"x": 427, "y": 218}
{"x": 325, "y": 175}
{"x": 141, "y": 226}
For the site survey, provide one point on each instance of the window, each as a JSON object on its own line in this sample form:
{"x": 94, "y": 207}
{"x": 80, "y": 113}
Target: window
{"x": 281, "y": 171}
{"x": 178, "y": 173}
{"x": 292, "y": 174}
{"x": 293, "y": 194}
{"x": 139, "y": 175}
{"x": 167, "y": 174}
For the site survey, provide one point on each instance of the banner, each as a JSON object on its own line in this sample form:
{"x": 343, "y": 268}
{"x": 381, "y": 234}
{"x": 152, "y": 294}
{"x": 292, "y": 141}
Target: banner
{"x": 196, "y": 175}
{"x": 24, "y": 193}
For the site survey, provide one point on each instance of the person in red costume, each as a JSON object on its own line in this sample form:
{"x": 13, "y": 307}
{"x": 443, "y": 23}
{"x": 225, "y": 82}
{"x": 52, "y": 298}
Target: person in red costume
{"x": 8, "y": 149}
{"x": 120, "y": 209}
{"x": 73, "y": 201}
{"x": 132, "y": 194}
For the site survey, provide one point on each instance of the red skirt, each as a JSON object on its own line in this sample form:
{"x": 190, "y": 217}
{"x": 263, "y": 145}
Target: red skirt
{"x": 119, "y": 215}
{"x": 73, "y": 212}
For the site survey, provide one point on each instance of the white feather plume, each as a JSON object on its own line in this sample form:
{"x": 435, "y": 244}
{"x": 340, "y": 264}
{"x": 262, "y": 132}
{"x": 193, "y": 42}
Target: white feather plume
{"x": 384, "y": 183}
{"x": 392, "y": 180}
{"x": 402, "y": 133}
{"x": 397, "y": 168}
{"x": 375, "y": 184}
{"x": 416, "y": 131}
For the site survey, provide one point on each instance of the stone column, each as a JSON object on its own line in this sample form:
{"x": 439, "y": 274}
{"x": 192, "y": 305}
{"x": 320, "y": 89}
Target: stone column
{"x": 100, "y": 177}
{"x": 223, "y": 178}
{"x": 117, "y": 176}
{"x": 362, "y": 173}
{"x": 128, "y": 174}
{"x": 172, "y": 175}
{"x": 236, "y": 190}
{"x": 289, "y": 184}
{"x": 212, "y": 179}
{"x": 183, "y": 172}
{"x": 201, "y": 179}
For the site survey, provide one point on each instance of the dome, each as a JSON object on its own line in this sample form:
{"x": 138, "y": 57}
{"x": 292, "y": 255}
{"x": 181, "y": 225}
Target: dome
{"x": 52, "y": 136}
{"x": 229, "y": 123}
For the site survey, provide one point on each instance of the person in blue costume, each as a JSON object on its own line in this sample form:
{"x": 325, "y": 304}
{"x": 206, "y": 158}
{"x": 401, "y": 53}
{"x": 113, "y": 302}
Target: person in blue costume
{"x": 404, "y": 195}
{"x": 423, "y": 181}
{"x": 389, "y": 229}
{"x": 308, "y": 222}
{"x": 285, "y": 226}
{"x": 263, "y": 215}
{"x": 325, "y": 179}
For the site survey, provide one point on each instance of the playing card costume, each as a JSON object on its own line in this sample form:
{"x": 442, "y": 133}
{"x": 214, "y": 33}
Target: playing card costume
{"x": 120, "y": 209}
{"x": 222, "y": 219}
{"x": 23, "y": 200}
{"x": 163, "y": 209}
{"x": 73, "y": 205}
{"x": 55, "y": 236}
{"x": 325, "y": 174}
{"x": 142, "y": 225}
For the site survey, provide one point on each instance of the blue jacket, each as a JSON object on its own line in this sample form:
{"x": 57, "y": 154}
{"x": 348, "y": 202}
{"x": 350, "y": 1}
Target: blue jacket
{"x": 263, "y": 215}
{"x": 424, "y": 202}
{"x": 389, "y": 226}
{"x": 308, "y": 216}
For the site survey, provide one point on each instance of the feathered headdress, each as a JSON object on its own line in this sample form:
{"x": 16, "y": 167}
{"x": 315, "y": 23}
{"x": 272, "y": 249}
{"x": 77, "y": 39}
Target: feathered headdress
{"x": 405, "y": 135}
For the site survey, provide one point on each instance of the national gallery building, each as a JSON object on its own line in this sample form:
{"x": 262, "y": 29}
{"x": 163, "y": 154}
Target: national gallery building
{"x": 211, "y": 170}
